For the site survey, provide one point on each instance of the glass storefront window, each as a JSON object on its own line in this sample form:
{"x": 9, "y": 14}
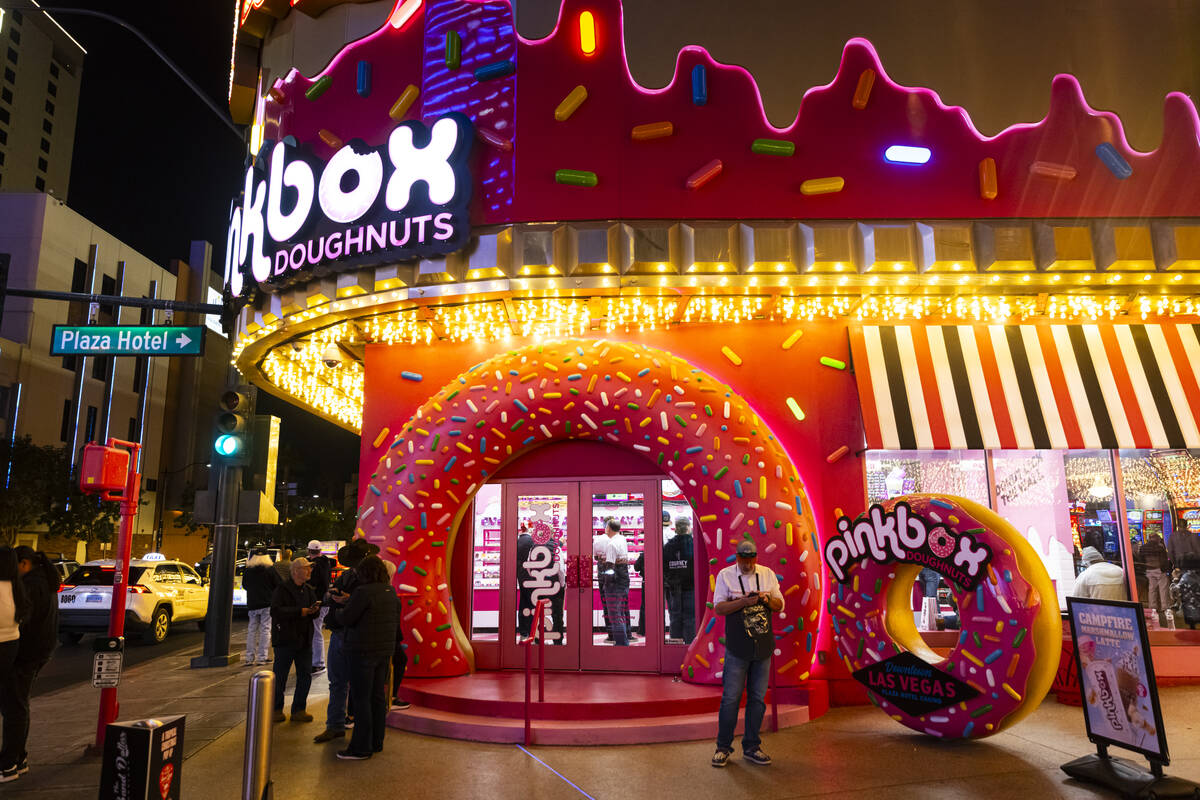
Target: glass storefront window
{"x": 485, "y": 585}
{"x": 542, "y": 524}
{"x": 1093, "y": 508}
{"x": 1032, "y": 494}
{"x": 891, "y": 473}
{"x": 1162, "y": 506}
{"x": 618, "y": 604}
{"x": 678, "y": 565}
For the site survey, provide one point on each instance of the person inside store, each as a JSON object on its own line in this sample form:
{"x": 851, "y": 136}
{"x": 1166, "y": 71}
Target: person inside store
{"x": 599, "y": 543}
{"x": 39, "y": 631}
{"x": 13, "y": 609}
{"x": 1153, "y": 553}
{"x": 1185, "y": 592}
{"x": 259, "y": 581}
{"x": 614, "y": 583}
{"x": 293, "y": 607}
{"x": 746, "y": 595}
{"x": 370, "y": 616}
{"x": 321, "y": 576}
{"x": 524, "y": 592}
{"x": 337, "y": 718}
{"x": 679, "y": 579}
{"x": 1099, "y": 580}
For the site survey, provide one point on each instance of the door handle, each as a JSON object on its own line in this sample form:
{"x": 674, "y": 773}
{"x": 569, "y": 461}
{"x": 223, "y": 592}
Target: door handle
{"x": 579, "y": 571}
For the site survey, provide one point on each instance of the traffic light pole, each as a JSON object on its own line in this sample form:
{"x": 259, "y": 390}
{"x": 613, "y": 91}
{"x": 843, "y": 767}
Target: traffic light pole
{"x": 220, "y": 591}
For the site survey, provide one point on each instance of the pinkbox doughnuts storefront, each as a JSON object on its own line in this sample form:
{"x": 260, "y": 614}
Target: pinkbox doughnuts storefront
{"x": 547, "y": 296}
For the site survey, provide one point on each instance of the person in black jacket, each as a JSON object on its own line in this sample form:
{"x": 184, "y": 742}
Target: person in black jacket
{"x": 293, "y": 607}
{"x": 319, "y": 580}
{"x": 350, "y": 556}
{"x": 39, "y": 632}
{"x": 259, "y": 582}
{"x": 370, "y": 616}
{"x": 680, "y": 582}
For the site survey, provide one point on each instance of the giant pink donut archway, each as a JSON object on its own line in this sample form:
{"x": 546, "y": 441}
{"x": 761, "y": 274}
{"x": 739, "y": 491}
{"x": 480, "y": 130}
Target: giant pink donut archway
{"x": 733, "y": 471}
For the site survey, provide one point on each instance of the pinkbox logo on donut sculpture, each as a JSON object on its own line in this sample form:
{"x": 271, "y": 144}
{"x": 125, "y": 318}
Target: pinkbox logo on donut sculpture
{"x": 1007, "y": 650}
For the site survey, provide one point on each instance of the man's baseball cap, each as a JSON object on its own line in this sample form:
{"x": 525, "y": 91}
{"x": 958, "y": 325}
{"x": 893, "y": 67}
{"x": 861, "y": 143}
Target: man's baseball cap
{"x": 746, "y": 548}
{"x": 314, "y": 545}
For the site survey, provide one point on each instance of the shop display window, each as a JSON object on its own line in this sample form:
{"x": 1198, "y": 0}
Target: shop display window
{"x": 542, "y": 526}
{"x": 1162, "y": 511}
{"x": 1033, "y": 493}
{"x": 891, "y": 473}
{"x": 618, "y": 601}
{"x": 485, "y": 583}
{"x": 679, "y": 566}
{"x": 1092, "y": 501}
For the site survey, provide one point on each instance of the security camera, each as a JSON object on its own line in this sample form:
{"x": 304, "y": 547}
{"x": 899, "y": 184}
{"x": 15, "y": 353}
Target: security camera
{"x": 332, "y": 356}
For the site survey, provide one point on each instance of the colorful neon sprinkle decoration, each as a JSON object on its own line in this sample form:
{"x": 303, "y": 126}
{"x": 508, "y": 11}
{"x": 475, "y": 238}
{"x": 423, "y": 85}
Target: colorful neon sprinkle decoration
{"x": 330, "y": 138}
{"x": 988, "y": 187}
{"x": 570, "y": 103}
{"x": 822, "y": 185}
{"x": 862, "y": 92}
{"x": 318, "y": 88}
{"x": 587, "y": 33}
{"x": 576, "y": 177}
{"x": 453, "y": 50}
{"x": 907, "y": 154}
{"x": 1115, "y": 162}
{"x": 773, "y": 147}
{"x": 363, "y": 83}
{"x": 833, "y": 362}
{"x": 795, "y": 409}
{"x": 494, "y": 70}
{"x": 404, "y": 102}
{"x": 490, "y": 137}
{"x": 653, "y": 130}
{"x": 1048, "y": 169}
{"x": 699, "y": 85}
{"x": 411, "y": 376}
{"x": 705, "y": 174}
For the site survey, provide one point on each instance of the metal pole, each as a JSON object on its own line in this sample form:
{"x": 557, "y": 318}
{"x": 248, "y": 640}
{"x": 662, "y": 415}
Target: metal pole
{"x": 109, "y": 707}
{"x": 256, "y": 774}
{"x": 220, "y": 595}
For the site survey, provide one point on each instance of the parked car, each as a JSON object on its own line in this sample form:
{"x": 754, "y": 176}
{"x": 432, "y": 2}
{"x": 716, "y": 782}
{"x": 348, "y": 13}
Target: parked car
{"x": 65, "y": 566}
{"x": 162, "y": 592}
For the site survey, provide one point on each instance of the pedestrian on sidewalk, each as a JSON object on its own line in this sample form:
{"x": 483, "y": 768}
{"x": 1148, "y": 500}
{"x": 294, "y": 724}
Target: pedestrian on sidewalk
{"x": 283, "y": 567}
{"x": 322, "y": 575}
{"x": 293, "y": 608}
{"x": 370, "y": 617}
{"x": 399, "y": 657}
{"x": 259, "y": 582}
{"x": 13, "y": 608}
{"x": 746, "y": 595}
{"x": 350, "y": 556}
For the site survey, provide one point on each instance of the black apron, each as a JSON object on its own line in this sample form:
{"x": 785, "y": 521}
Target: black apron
{"x": 748, "y": 630}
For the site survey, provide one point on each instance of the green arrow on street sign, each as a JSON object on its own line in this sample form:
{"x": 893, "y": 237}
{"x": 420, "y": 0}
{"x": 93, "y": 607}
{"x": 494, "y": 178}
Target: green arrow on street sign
{"x": 127, "y": 340}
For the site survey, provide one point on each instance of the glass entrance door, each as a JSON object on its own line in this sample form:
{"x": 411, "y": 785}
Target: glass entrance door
{"x": 602, "y": 591}
{"x": 625, "y": 592}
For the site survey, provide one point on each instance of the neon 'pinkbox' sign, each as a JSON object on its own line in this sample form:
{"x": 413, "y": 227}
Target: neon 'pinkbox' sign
{"x": 405, "y": 199}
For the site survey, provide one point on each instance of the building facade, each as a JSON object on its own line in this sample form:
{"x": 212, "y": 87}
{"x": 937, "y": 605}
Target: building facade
{"x": 39, "y": 100}
{"x": 553, "y": 294}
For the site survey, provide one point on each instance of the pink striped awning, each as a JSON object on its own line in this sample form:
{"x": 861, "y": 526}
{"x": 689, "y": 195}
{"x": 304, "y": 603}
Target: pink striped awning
{"x": 1062, "y": 387}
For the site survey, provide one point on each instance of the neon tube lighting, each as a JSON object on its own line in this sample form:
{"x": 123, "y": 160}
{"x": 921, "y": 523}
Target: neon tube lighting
{"x": 906, "y": 154}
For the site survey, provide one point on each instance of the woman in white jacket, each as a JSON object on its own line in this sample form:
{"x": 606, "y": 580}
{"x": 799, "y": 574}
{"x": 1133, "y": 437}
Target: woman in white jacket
{"x": 12, "y": 611}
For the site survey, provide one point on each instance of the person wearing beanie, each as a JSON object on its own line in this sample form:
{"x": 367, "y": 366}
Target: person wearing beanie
{"x": 1099, "y": 580}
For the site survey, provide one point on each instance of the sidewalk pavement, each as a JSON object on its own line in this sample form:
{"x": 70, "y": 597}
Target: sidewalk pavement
{"x": 848, "y": 753}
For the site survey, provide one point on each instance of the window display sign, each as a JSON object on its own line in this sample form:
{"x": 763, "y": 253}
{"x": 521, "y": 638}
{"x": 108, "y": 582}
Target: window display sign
{"x": 1116, "y": 676}
{"x": 403, "y": 200}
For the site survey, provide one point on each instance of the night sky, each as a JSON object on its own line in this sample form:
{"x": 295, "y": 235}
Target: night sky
{"x": 155, "y": 167}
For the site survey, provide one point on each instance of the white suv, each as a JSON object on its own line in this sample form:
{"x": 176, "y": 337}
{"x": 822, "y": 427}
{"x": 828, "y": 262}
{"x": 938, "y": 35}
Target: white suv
{"x": 161, "y": 592}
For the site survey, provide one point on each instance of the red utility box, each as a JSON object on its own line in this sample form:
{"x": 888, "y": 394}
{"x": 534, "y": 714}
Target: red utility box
{"x": 103, "y": 469}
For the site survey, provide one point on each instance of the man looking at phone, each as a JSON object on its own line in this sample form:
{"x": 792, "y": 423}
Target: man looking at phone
{"x": 293, "y": 607}
{"x": 746, "y": 595}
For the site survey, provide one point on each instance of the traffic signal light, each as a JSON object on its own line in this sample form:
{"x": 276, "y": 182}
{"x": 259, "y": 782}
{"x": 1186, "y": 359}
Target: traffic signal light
{"x": 233, "y": 444}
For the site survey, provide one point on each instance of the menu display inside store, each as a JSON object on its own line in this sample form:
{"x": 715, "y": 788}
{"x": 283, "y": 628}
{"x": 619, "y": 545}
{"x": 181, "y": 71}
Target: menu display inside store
{"x": 1116, "y": 676}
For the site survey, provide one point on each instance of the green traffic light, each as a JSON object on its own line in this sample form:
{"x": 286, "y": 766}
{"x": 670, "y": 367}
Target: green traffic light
{"x": 228, "y": 445}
